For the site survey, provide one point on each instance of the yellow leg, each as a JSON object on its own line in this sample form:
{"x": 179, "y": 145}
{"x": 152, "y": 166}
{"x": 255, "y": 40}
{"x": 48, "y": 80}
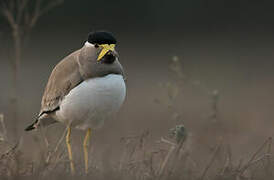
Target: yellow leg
{"x": 85, "y": 146}
{"x": 72, "y": 169}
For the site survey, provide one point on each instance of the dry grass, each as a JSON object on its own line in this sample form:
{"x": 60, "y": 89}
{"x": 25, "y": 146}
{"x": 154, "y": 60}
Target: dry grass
{"x": 143, "y": 160}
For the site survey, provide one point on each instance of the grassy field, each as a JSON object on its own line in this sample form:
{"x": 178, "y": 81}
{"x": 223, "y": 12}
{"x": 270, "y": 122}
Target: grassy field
{"x": 181, "y": 152}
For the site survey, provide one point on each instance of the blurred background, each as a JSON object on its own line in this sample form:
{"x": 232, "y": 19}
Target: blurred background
{"x": 222, "y": 45}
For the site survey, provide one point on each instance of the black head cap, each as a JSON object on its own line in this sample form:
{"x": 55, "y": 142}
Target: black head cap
{"x": 101, "y": 37}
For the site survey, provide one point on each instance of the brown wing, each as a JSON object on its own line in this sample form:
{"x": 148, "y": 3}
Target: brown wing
{"x": 63, "y": 78}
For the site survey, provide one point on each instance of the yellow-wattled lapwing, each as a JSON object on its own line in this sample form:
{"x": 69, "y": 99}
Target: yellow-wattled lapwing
{"x": 84, "y": 89}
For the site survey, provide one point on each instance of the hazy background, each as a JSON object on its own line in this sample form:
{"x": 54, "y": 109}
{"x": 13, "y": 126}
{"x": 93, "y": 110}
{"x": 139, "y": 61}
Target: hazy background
{"x": 226, "y": 45}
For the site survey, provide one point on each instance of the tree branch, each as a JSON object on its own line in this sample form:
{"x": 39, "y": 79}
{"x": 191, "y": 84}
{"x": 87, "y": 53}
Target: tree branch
{"x": 21, "y": 7}
{"x": 40, "y": 11}
{"x": 8, "y": 15}
{"x": 50, "y": 6}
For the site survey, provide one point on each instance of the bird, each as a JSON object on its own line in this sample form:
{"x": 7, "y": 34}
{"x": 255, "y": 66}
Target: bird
{"x": 85, "y": 89}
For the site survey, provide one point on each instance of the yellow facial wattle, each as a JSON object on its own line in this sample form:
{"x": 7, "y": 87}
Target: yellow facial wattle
{"x": 105, "y": 49}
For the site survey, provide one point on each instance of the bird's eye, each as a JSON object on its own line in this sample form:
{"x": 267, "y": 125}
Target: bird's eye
{"x": 96, "y": 45}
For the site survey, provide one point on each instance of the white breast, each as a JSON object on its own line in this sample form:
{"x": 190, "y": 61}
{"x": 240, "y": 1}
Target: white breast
{"x": 92, "y": 101}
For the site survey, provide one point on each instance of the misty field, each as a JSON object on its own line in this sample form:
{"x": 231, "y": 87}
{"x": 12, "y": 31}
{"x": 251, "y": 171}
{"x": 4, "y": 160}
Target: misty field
{"x": 176, "y": 153}
{"x": 199, "y": 103}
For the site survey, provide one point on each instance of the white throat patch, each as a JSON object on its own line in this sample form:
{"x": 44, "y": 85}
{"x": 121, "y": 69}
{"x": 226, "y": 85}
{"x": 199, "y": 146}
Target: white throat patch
{"x": 88, "y": 44}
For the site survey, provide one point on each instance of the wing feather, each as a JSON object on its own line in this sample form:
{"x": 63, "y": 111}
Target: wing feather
{"x": 64, "y": 77}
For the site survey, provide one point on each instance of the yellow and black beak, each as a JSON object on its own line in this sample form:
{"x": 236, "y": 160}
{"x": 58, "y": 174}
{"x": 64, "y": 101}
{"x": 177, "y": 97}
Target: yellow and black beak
{"x": 105, "y": 49}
